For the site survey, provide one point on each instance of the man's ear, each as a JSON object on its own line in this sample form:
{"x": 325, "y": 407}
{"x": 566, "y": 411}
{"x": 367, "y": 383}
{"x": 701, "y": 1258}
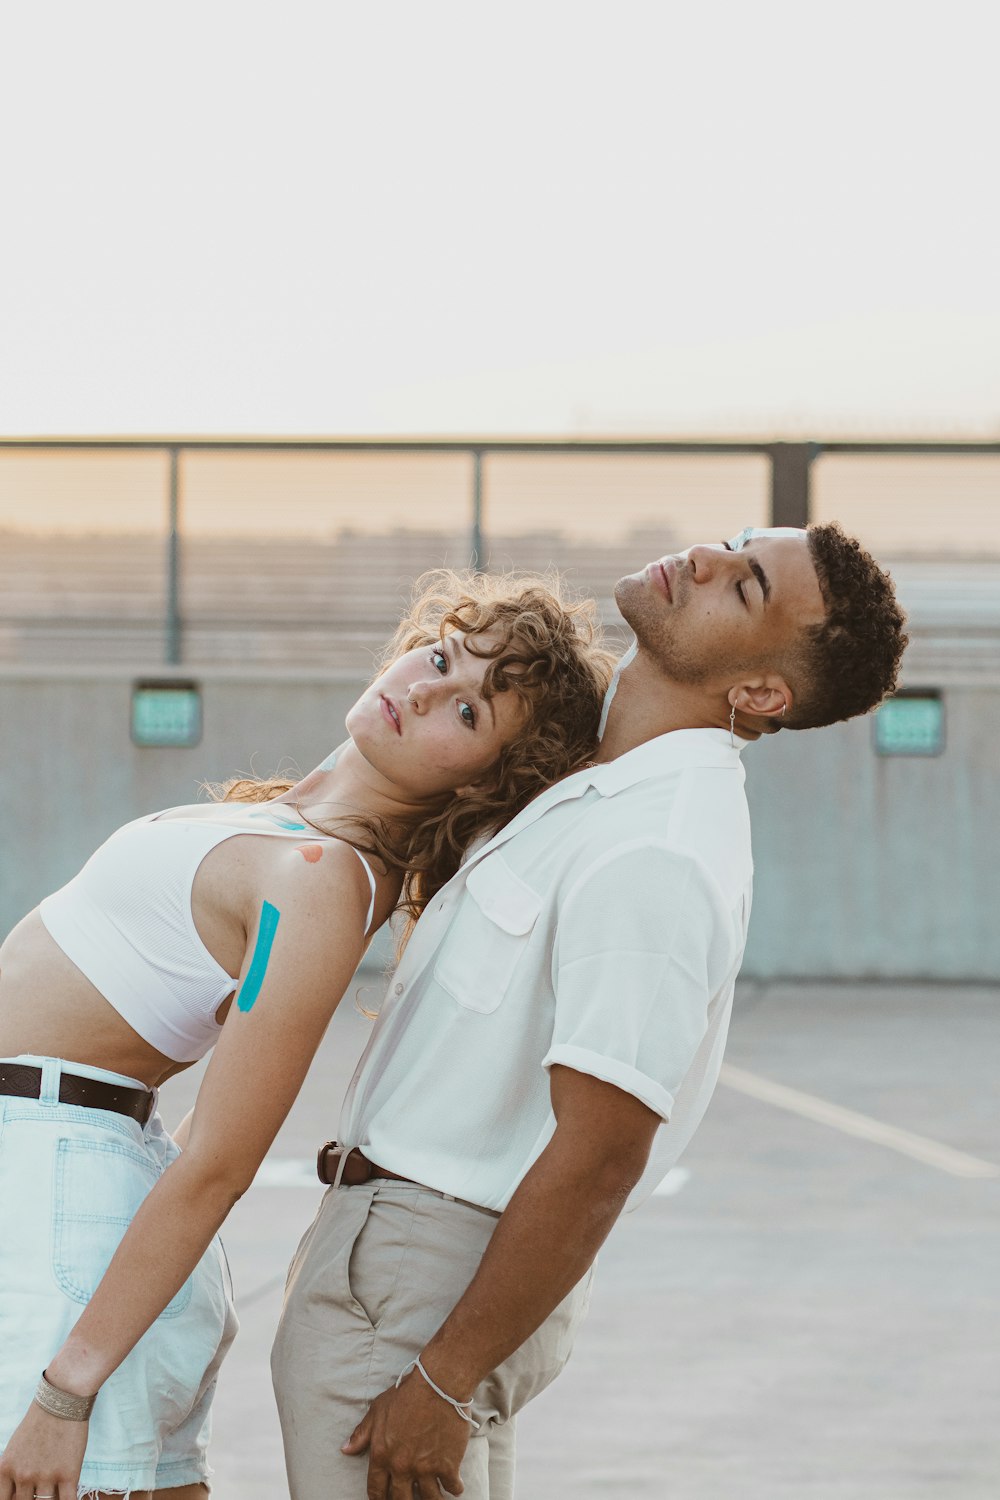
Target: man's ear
{"x": 769, "y": 698}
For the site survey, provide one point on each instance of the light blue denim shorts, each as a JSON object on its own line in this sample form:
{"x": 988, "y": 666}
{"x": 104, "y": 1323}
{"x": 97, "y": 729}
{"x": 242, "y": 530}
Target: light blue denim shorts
{"x": 70, "y": 1181}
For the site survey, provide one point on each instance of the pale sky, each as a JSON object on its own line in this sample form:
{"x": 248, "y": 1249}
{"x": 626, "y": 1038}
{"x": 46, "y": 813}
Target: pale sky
{"x": 776, "y": 219}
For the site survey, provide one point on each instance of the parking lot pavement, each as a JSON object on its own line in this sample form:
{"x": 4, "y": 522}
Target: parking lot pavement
{"x": 812, "y": 1311}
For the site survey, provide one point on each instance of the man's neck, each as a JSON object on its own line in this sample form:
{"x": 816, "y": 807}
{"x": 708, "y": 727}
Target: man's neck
{"x": 647, "y": 704}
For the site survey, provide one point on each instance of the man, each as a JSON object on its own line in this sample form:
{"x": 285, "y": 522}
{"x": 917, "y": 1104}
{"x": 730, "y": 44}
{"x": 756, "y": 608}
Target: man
{"x": 554, "y": 1032}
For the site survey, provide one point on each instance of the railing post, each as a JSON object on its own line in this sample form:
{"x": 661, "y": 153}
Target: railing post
{"x": 173, "y": 621}
{"x": 790, "y": 466}
{"x": 476, "y": 538}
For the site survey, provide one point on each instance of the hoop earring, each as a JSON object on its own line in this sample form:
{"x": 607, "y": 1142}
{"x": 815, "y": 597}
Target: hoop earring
{"x": 732, "y": 725}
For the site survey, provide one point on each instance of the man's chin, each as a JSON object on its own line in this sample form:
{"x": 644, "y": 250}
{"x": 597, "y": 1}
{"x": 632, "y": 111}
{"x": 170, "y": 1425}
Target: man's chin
{"x": 632, "y": 596}
{"x": 626, "y": 589}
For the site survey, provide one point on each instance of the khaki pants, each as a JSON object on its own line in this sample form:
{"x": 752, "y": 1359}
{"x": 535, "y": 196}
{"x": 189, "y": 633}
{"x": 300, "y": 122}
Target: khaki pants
{"x": 375, "y": 1276}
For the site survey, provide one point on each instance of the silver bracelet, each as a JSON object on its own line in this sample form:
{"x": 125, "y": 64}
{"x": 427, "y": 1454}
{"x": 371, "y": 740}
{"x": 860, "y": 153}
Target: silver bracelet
{"x": 464, "y": 1408}
{"x": 62, "y": 1404}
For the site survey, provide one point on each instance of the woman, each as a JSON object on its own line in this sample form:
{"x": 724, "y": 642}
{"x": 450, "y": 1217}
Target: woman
{"x": 491, "y": 690}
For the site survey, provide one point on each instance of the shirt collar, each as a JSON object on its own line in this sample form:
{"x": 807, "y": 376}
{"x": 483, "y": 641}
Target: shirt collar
{"x": 674, "y": 751}
{"x": 666, "y": 753}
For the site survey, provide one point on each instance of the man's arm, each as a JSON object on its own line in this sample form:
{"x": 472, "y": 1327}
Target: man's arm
{"x": 543, "y": 1245}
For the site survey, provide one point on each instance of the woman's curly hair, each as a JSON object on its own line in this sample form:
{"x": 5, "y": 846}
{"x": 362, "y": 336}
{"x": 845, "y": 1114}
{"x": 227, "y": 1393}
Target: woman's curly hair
{"x": 542, "y": 646}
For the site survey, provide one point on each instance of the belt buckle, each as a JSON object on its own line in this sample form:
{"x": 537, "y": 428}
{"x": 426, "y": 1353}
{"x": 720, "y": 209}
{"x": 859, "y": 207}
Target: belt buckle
{"x": 346, "y": 1173}
{"x": 328, "y": 1148}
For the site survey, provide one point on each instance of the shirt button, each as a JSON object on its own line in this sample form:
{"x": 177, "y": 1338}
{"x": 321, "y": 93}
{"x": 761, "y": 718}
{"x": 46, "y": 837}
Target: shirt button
{"x": 397, "y": 989}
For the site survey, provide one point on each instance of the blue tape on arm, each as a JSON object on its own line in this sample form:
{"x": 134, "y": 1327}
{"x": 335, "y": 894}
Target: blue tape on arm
{"x": 270, "y": 916}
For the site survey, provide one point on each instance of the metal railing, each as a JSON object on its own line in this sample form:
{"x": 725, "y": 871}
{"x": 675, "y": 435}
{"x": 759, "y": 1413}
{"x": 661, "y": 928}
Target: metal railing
{"x": 791, "y": 467}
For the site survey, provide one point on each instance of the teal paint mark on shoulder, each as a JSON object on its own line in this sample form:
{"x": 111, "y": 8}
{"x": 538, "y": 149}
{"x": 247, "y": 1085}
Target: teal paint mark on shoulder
{"x": 270, "y": 916}
{"x": 280, "y": 822}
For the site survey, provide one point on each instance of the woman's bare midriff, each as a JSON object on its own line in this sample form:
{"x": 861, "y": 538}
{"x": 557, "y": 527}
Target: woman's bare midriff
{"x": 47, "y": 1007}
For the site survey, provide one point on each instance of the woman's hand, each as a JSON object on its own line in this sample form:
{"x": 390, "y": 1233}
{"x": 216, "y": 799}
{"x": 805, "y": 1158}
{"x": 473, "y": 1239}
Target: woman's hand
{"x": 43, "y": 1458}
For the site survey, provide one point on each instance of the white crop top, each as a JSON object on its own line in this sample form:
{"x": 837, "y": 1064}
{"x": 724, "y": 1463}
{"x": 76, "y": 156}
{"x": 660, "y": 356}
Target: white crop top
{"x": 125, "y": 921}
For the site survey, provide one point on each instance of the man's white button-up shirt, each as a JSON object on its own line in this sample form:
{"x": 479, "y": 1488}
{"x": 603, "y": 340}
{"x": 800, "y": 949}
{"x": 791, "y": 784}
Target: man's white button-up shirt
{"x": 602, "y": 929}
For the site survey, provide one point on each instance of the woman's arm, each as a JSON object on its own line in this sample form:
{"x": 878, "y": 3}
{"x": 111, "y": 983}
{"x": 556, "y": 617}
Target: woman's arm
{"x": 303, "y": 949}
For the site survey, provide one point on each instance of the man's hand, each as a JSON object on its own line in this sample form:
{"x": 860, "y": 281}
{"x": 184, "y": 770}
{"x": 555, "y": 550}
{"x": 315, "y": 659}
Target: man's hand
{"x": 413, "y": 1440}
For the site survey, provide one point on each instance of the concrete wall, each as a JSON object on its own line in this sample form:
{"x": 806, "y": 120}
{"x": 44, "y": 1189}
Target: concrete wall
{"x": 71, "y": 774}
{"x": 876, "y": 867}
{"x": 866, "y": 867}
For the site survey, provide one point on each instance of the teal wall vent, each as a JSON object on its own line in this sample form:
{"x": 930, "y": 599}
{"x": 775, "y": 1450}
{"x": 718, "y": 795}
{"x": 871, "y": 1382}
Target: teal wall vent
{"x": 910, "y": 723}
{"x": 166, "y": 712}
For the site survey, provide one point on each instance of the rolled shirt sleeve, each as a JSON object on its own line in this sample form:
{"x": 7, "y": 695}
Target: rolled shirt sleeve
{"x": 634, "y": 977}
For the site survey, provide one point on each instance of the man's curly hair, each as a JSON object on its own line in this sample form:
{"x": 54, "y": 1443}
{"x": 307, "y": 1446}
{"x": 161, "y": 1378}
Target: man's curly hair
{"x": 850, "y": 662}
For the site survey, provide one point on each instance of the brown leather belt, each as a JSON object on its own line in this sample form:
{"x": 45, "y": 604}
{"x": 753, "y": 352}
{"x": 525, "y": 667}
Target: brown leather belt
{"x": 25, "y": 1082}
{"x": 357, "y": 1168}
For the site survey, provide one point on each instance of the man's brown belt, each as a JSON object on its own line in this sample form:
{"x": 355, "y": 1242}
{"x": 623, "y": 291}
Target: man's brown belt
{"x": 357, "y": 1168}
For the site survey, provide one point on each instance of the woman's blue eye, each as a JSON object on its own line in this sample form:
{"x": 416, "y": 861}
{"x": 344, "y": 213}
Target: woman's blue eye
{"x": 467, "y": 714}
{"x": 440, "y": 661}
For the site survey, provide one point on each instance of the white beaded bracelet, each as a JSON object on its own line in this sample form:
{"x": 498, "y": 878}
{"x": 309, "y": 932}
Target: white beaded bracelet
{"x": 464, "y": 1408}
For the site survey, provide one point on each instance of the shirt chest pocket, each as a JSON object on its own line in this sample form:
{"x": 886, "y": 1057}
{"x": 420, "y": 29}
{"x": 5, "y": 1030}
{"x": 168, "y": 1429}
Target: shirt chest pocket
{"x": 488, "y": 936}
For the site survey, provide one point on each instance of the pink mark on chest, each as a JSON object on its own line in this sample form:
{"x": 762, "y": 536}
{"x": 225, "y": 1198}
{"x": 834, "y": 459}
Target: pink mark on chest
{"x": 310, "y": 852}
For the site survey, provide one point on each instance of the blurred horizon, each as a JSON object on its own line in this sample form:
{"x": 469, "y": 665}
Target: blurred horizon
{"x": 289, "y": 557}
{"x": 900, "y": 505}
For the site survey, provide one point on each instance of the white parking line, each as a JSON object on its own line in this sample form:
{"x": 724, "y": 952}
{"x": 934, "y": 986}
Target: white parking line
{"x": 288, "y": 1172}
{"x": 919, "y": 1147}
